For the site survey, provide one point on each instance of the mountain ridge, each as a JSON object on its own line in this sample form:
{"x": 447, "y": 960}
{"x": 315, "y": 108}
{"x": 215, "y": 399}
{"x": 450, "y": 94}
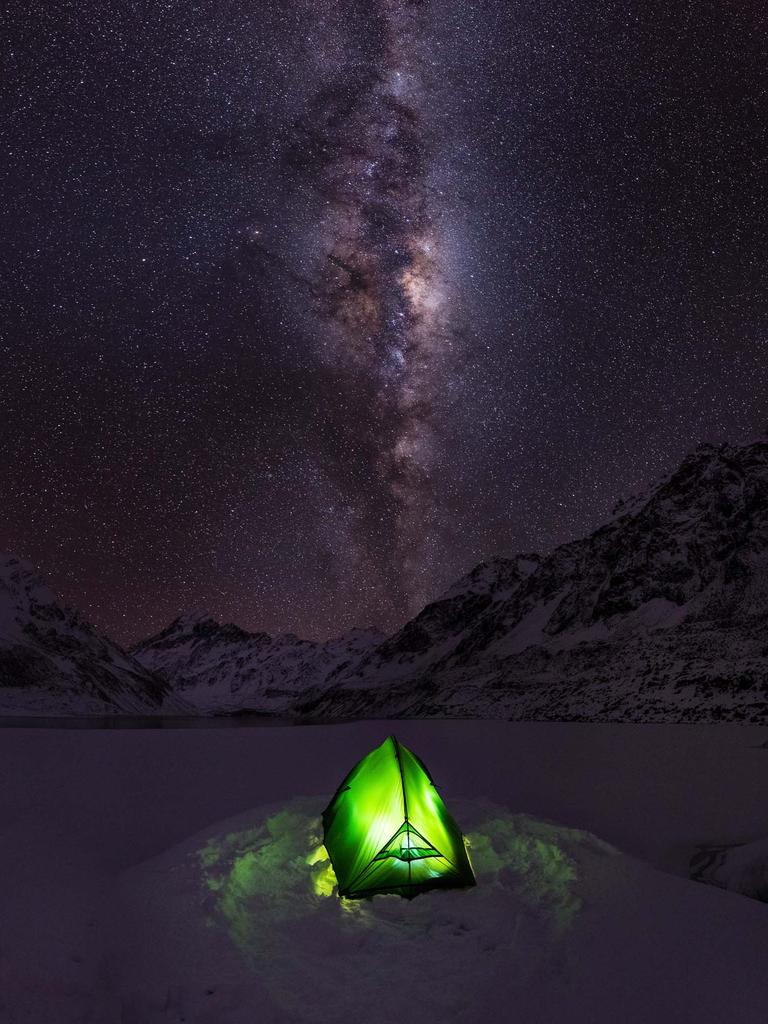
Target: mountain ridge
{"x": 220, "y": 667}
{"x": 660, "y": 614}
{"x": 653, "y": 590}
{"x": 53, "y": 661}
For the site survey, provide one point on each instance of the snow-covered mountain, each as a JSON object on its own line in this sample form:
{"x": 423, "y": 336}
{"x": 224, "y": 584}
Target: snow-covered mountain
{"x": 52, "y": 662}
{"x": 220, "y": 667}
{"x": 661, "y": 614}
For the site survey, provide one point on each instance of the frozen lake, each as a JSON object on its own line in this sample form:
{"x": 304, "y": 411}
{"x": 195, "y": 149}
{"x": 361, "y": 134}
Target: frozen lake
{"x": 101, "y": 833}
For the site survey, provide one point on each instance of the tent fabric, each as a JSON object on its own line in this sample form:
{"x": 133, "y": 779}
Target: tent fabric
{"x": 387, "y": 829}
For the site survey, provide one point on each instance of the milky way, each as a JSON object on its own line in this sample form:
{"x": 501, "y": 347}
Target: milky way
{"x": 381, "y": 290}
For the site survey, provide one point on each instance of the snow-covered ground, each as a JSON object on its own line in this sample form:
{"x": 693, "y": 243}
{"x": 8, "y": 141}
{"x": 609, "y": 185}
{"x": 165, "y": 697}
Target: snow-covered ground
{"x": 158, "y": 876}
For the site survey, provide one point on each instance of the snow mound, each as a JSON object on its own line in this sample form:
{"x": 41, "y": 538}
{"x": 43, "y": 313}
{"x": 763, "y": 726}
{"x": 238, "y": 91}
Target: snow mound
{"x": 242, "y": 922}
{"x": 260, "y": 891}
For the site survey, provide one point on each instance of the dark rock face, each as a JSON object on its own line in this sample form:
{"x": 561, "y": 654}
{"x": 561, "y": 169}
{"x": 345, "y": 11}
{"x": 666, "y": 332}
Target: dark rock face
{"x": 52, "y": 661}
{"x": 425, "y": 640}
{"x": 742, "y": 868}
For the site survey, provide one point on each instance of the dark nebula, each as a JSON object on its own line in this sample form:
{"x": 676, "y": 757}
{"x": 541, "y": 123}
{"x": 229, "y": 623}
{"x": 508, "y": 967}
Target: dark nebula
{"x": 307, "y": 308}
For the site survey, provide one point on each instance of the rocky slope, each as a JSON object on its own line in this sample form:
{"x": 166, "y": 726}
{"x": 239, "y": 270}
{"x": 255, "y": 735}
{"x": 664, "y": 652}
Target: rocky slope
{"x": 53, "y": 662}
{"x": 222, "y": 668}
{"x": 660, "y": 615}
{"x": 742, "y": 867}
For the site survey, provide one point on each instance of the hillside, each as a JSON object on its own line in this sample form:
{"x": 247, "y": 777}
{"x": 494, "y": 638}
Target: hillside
{"x": 53, "y": 662}
{"x": 659, "y": 615}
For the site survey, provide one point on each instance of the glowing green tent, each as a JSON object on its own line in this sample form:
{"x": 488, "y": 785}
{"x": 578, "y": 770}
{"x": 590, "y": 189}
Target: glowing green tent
{"x": 387, "y": 830}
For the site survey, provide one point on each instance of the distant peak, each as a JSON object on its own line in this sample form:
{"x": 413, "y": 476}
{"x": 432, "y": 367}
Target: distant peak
{"x": 20, "y": 578}
{"x": 188, "y": 620}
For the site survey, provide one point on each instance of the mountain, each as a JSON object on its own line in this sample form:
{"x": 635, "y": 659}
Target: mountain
{"x": 423, "y": 643}
{"x": 53, "y": 662}
{"x": 659, "y": 615}
{"x": 219, "y": 667}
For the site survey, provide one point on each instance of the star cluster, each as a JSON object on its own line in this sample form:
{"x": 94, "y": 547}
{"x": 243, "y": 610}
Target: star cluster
{"x": 309, "y": 307}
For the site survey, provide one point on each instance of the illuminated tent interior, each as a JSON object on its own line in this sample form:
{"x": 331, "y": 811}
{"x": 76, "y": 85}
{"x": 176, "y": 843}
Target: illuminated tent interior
{"x": 388, "y": 831}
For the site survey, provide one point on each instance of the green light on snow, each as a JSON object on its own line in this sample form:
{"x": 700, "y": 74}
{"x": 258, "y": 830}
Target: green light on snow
{"x": 323, "y": 879}
{"x": 271, "y": 890}
{"x": 533, "y": 866}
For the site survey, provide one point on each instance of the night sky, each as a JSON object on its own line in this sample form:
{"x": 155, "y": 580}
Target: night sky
{"x": 308, "y": 307}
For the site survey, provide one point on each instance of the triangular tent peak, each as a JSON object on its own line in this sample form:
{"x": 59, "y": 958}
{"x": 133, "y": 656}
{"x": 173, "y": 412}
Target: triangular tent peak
{"x": 388, "y": 830}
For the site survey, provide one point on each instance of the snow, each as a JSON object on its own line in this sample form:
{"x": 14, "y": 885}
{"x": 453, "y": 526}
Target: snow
{"x": 529, "y": 629}
{"x": 221, "y": 668}
{"x": 157, "y": 876}
{"x": 499, "y": 576}
{"x": 20, "y": 588}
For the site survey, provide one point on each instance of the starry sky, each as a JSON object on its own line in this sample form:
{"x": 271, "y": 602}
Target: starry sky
{"x": 308, "y": 307}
